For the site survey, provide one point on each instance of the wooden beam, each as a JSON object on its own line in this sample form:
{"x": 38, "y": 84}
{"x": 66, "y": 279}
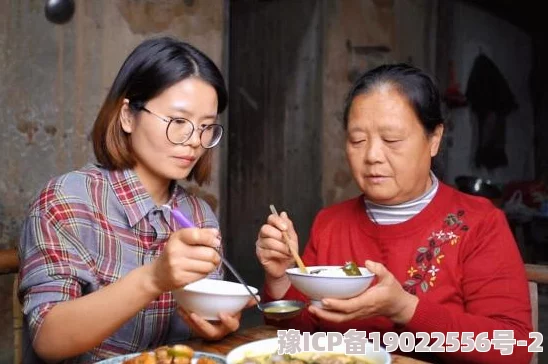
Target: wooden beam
{"x": 9, "y": 262}
{"x": 537, "y": 273}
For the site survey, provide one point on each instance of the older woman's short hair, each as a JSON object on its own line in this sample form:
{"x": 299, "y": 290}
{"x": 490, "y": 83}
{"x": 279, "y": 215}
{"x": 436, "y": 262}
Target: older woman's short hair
{"x": 414, "y": 84}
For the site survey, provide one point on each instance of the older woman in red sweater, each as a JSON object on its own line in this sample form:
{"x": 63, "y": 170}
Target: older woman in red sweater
{"x": 445, "y": 261}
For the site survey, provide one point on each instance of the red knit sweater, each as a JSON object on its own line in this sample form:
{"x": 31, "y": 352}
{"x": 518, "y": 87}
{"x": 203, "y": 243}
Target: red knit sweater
{"x": 457, "y": 255}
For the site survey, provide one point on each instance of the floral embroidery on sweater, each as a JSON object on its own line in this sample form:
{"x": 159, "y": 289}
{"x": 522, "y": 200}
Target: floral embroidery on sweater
{"x": 429, "y": 259}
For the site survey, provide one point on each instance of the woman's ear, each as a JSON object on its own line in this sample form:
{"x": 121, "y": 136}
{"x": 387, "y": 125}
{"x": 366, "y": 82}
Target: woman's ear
{"x": 126, "y": 117}
{"x": 435, "y": 140}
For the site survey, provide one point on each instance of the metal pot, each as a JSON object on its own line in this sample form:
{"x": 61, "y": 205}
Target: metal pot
{"x": 478, "y": 187}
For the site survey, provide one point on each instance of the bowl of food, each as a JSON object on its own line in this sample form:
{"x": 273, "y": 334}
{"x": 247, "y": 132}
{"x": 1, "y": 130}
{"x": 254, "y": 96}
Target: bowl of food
{"x": 209, "y": 297}
{"x": 329, "y": 281}
{"x": 266, "y": 352}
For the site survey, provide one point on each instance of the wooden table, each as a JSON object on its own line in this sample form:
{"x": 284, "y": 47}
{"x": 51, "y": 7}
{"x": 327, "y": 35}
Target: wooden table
{"x": 257, "y": 333}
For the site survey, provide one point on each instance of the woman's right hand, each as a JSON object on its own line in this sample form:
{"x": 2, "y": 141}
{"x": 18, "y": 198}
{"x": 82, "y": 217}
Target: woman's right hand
{"x": 189, "y": 255}
{"x": 272, "y": 251}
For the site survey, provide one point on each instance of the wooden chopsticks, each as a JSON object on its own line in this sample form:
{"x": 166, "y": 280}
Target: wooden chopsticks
{"x": 286, "y": 239}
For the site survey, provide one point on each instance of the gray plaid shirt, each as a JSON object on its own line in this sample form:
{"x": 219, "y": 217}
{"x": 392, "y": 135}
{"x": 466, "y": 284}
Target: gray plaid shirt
{"x": 87, "y": 229}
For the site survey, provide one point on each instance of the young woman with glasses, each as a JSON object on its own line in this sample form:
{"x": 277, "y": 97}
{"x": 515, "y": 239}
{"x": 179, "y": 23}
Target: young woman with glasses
{"x": 100, "y": 251}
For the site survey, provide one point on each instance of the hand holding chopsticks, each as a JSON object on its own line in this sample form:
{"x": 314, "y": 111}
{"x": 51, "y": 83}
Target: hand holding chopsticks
{"x": 287, "y": 240}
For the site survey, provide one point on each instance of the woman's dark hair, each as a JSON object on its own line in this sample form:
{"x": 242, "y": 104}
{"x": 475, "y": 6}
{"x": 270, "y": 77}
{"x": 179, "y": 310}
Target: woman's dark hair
{"x": 155, "y": 65}
{"x": 415, "y": 85}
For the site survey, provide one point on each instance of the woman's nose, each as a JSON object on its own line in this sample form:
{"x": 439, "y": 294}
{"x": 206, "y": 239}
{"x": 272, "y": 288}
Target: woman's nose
{"x": 373, "y": 151}
{"x": 194, "y": 139}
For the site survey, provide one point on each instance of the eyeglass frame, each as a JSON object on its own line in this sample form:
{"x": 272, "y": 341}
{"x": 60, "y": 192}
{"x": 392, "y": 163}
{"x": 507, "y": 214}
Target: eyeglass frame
{"x": 168, "y": 120}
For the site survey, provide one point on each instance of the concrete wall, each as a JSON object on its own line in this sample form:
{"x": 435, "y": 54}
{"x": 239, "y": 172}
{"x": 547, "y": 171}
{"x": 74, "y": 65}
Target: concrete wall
{"x": 510, "y": 49}
{"x": 406, "y": 28}
{"x": 54, "y": 78}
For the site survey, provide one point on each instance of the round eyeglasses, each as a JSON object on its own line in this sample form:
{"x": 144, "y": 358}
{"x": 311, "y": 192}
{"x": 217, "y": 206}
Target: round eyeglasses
{"x": 180, "y": 130}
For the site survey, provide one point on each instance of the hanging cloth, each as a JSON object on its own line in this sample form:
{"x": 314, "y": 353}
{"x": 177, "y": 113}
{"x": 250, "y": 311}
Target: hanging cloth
{"x": 491, "y": 99}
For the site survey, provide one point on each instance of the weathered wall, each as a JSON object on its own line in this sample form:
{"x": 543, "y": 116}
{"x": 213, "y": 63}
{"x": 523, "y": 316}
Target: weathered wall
{"x": 54, "y": 79}
{"x": 379, "y": 31}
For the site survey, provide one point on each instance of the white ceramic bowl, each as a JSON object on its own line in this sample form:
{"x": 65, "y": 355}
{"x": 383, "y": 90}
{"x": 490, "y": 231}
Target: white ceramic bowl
{"x": 209, "y": 297}
{"x": 270, "y": 346}
{"x": 316, "y": 287}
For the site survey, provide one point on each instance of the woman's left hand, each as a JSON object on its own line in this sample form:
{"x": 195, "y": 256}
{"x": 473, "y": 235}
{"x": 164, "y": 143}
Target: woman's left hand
{"x": 386, "y": 298}
{"x": 213, "y": 330}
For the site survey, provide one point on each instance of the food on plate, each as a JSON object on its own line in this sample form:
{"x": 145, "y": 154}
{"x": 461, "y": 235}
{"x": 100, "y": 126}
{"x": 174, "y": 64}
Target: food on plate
{"x": 176, "y": 354}
{"x": 304, "y": 358}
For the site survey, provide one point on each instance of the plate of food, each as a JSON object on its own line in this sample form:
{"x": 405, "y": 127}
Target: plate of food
{"x": 266, "y": 352}
{"x": 176, "y": 354}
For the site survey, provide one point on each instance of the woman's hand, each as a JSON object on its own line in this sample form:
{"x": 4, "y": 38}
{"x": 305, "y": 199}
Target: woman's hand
{"x": 272, "y": 251}
{"x": 213, "y": 330}
{"x": 189, "y": 255}
{"x": 386, "y": 298}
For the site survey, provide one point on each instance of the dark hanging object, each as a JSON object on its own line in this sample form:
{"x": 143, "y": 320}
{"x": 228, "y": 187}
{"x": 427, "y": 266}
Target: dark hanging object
{"x": 59, "y": 11}
{"x": 491, "y": 99}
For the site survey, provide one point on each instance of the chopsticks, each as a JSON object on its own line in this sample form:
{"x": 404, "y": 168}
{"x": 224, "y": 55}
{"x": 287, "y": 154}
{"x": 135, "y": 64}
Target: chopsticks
{"x": 286, "y": 239}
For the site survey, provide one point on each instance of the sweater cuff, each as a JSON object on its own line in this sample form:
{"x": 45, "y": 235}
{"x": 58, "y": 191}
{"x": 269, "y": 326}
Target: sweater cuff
{"x": 423, "y": 320}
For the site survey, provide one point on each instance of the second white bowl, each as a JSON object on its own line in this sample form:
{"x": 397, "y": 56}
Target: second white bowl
{"x": 209, "y": 297}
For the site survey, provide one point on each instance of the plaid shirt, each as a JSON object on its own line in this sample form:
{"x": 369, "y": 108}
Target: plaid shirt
{"x": 87, "y": 229}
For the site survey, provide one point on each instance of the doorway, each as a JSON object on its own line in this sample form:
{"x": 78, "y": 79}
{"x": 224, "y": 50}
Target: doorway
{"x": 275, "y": 123}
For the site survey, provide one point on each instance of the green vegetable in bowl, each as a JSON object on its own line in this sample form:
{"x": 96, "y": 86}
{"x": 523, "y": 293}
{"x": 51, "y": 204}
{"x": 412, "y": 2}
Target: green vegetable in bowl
{"x": 351, "y": 269}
